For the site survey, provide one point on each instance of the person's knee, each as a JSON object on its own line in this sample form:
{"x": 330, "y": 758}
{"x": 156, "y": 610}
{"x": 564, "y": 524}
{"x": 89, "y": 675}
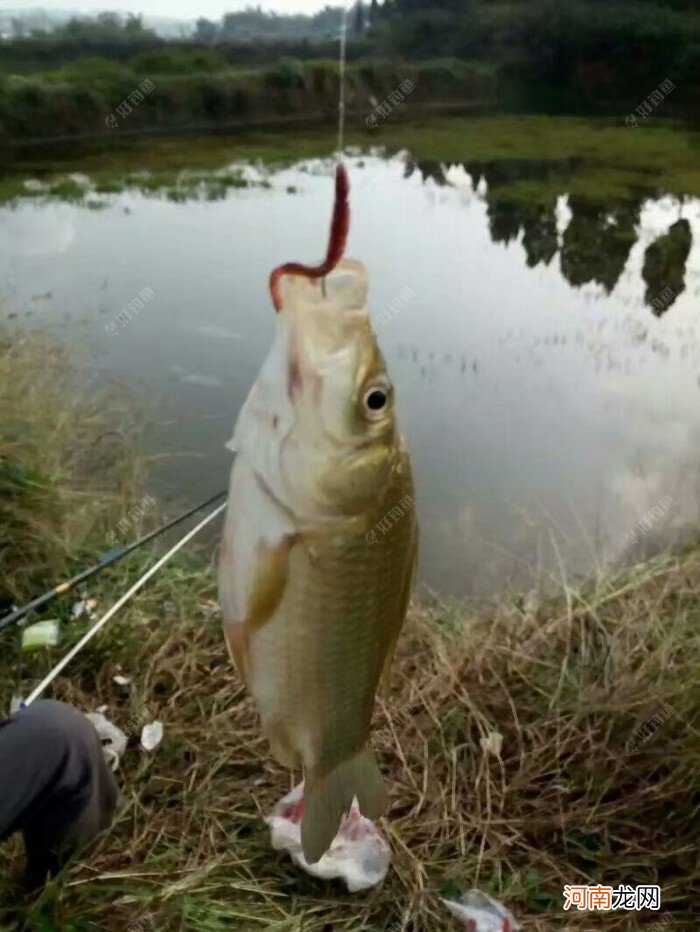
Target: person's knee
{"x": 72, "y": 793}
{"x": 85, "y": 785}
{"x": 56, "y": 722}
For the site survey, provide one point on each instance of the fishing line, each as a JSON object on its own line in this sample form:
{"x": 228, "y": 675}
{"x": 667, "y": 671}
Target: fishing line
{"x": 341, "y": 79}
{"x": 112, "y": 556}
{"x": 118, "y": 604}
{"x": 104, "y": 560}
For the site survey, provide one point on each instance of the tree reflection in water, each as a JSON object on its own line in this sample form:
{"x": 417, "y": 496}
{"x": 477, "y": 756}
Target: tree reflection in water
{"x": 598, "y": 240}
{"x": 664, "y": 266}
{"x": 599, "y": 237}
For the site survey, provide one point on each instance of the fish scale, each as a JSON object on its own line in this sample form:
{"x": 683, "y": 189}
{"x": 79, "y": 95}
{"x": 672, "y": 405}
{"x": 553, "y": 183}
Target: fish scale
{"x": 336, "y": 623}
{"x": 318, "y": 554}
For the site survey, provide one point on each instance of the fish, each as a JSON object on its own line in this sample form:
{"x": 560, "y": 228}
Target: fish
{"x": 319, "y": 545}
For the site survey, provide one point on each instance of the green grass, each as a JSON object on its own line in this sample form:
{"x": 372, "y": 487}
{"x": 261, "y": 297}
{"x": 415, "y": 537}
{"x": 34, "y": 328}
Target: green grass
{"x": 615, "y": 159}
{"x": 566, "y": 686}
{"x": 66, "y": 472}
{"x": 566, "y": 682}
{"x": 176, "y": 185}
{"x": 596, "y": 159}
{"x": 78, "y": 99}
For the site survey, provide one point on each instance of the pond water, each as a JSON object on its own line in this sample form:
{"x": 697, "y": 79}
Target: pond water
{"x": 546, "y": 362}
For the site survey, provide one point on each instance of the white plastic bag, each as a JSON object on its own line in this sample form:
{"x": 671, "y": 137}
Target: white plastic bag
{"x": 41, "y": 634}
{"x": 151, "y": 735}
{"x": 481, "y": 913}
{"x": 113, "y": 739}
{"x": 358, "y": 854}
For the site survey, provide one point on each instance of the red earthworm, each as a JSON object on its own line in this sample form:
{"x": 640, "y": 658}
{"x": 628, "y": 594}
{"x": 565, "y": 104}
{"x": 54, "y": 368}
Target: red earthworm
{"x": 337, "y": 238}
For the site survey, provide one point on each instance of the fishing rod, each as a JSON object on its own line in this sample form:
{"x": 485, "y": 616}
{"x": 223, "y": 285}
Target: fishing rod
{"x": 108, "y": 558}
{"x": 91, "y": 632}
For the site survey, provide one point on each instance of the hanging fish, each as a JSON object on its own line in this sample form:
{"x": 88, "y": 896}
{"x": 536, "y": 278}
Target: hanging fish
{"x": 319, "y": 544}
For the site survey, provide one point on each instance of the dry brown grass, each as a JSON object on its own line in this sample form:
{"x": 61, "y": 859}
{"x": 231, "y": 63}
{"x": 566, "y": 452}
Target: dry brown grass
{"x": 566, "y": 686}
{"x": 66, "y": 470}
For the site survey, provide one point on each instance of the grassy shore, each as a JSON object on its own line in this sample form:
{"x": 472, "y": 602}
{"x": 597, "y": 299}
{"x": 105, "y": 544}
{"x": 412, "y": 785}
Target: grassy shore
{"x": 93, "y": 97}
{"x": 569, "y": 795}
{"x": 65, "y": 467}
{"x": 542, "y": 157}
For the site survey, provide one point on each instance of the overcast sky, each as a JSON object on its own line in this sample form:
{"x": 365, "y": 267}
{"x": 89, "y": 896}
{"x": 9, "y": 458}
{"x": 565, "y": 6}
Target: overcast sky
{"x": 179, "y": 9}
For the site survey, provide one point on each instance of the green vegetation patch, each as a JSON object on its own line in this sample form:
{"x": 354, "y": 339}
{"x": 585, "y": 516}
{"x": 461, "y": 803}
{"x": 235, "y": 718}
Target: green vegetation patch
{"x": 65, "y": 467}
{"x": 543, "y": 157}
{"x": 178, "y": 186}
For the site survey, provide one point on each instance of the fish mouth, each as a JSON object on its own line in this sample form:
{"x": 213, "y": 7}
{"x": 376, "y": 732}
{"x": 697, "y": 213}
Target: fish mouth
{"x": 337, "y": 240}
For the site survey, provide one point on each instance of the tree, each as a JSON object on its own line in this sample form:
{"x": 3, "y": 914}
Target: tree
{"x": 206, "y": 30}
{"x": 133, "y": 28}
{"x": 107, "y": 22}
{"x": 359, "y": 18}
{"x": 373, "y": 12}
{"x": 664, "y": 266}
{"x": 105, "y": 25}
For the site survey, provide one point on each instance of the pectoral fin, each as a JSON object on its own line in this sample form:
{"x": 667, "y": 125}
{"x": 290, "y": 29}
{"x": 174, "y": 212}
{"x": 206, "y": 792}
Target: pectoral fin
{"x": 270, "y": 575}
{"x": 237, "y": 641}
{"x": 269, "y": 582}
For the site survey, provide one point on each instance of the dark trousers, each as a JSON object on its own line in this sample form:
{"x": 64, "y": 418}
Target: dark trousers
{"x": 55, "y": 786}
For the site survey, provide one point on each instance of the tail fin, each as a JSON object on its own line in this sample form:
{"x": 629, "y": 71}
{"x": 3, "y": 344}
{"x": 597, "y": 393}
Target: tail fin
{"x": 327, "y": 798}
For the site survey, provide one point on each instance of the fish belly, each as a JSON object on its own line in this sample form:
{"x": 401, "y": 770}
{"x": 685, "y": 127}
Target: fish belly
{"x": 313, "y": 666}
{"x": 318, "y": 662}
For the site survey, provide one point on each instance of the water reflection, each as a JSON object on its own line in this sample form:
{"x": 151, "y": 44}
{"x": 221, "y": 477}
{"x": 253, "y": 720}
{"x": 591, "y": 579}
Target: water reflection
{"x": 664, "y": 266}
{"x": 598, "y": 241}
{"x": 546, "y": 408}
{"x": 596, "y": 244}
{"x": 540, "y": 234}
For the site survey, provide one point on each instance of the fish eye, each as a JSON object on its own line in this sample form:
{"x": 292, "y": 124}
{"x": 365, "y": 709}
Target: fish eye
{"x": 376, "y": 399}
